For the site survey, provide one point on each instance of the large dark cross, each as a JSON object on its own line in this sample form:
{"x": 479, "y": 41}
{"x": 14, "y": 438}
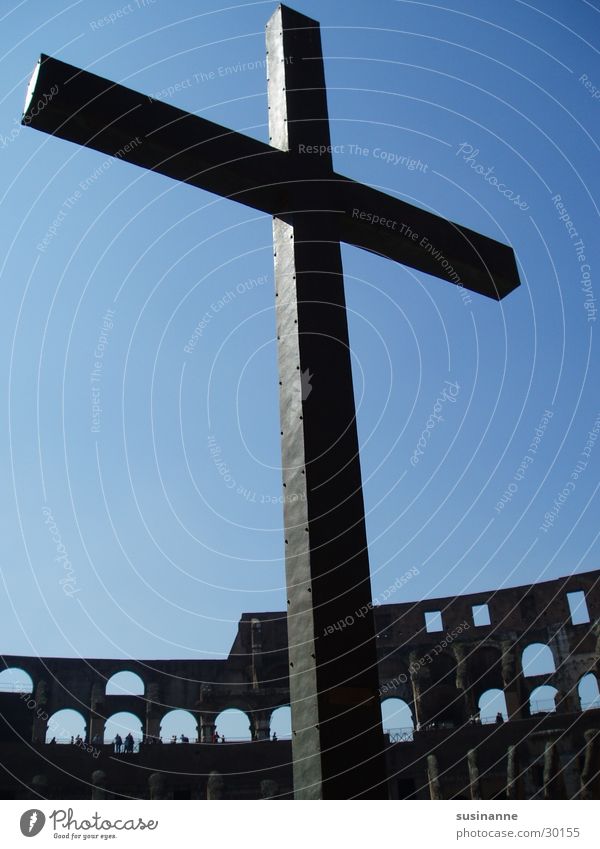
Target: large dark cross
{"x": 338, "y": 746}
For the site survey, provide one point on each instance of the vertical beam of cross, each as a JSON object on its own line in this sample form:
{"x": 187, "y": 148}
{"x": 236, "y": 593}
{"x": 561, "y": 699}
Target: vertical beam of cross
{"x": 336, "y": 720}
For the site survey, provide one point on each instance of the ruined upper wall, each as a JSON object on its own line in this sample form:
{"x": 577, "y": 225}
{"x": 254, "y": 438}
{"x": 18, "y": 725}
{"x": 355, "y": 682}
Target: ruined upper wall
{"x": 511, "y": 611}
{"x": 256, "y": 668}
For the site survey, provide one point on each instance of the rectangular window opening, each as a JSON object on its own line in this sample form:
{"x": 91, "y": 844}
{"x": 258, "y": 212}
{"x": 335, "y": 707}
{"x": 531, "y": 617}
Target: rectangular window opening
{"x": 578, "y": 607}
{"x": 433, "y": 621}
{"x": 481, "y": 615}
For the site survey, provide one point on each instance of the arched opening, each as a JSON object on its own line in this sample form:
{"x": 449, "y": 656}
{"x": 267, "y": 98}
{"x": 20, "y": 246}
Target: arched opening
{"x": 397, "y": 720}
{"x": 589, "y": 694}
{"x": 491, "y": 704}
{"x": 542, "y": 699}
{"x": 484, "y": 670}
{"x": 537, "y": 659}
{"x": 281, "y": 722}
{"x": 395, "y": 684}
{"x": 177, "y": 724}
{"x": 65, "y": 726}
{"x": 14, "y": 680}
{"x": 123, "y": 723}
{"x": 441, "y": 704}
{"x": 234, "y": 725}
{"x": 125, "y": 684}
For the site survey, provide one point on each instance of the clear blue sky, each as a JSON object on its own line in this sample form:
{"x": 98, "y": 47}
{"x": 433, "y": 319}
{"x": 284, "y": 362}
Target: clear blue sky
{"x": 164, "y": 556}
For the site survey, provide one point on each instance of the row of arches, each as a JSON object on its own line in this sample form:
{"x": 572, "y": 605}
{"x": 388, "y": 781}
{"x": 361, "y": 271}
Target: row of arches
{"x": 232, "y": 724}
{"x": 120, "y": 684}
{"x": 536, "y": 659}
{"x": 396, "y": 713}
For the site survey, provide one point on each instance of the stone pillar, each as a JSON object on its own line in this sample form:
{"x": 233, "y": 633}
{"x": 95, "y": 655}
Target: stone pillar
{"x": 474, "y": 782}
{"x": 512, "y": 681}
{"x": 152, "y": 725}
{"x": 570, "y": 770}
{"x": 553, "y": 784}
{"x": 515, "y": 706}
{"x": 463, "y": 680}
{"x": 257, "y": 655}
{"x": 590, "y": 779}
{"x": 207, "y": 727}
{"x": 565, "y": 678}
{"x": 215, "y": 788}
{"x": 99, "y": 785}
{"x": 513, "y": 774}
{"x": 563, "y": 702}
{"x": 97, "y": 715}
{"x": 260, "y": 727}
{"x": 528, "y": 754}
{"x": 156, "y": 786}
{"x": 198, "y": 720}
{"x": 153, "y": 711}
{"x": 435, "y": 789}
{"x": 528, "y": 689}
{"x": 419, "y": 676}
{"x": 38, "y": 704}
{"x": 268, "y": 789}
{"x": 39, "y": 786}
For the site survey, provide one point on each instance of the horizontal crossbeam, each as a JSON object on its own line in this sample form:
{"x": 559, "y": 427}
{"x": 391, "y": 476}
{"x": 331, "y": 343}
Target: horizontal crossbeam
{"x": 88, "y": 110}
{"x": 405, "y": 233}
{"x": 97, "y": 113}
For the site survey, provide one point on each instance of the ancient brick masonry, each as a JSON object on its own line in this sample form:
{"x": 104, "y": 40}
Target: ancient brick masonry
{"x": 544, "y": 750}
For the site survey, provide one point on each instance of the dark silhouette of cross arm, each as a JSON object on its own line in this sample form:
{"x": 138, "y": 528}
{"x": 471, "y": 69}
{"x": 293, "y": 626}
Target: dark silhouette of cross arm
{"x": 338, "y": 747}
{"x": 94, "y": 112}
